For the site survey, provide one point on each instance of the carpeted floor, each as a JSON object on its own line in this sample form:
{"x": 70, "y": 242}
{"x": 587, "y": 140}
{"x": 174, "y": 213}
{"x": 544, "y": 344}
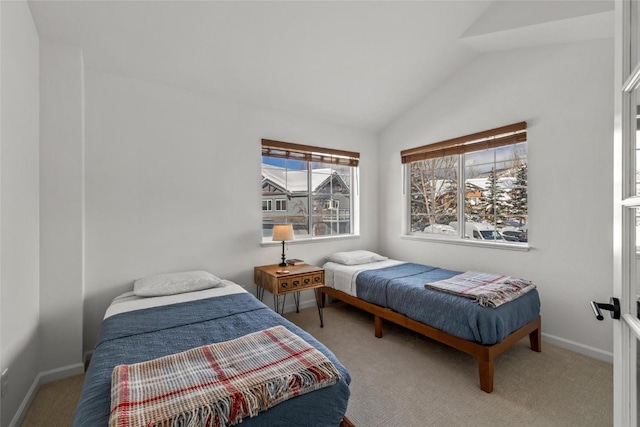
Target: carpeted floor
{"x": 55, "y": 403}
{"x": 407, "y": 380}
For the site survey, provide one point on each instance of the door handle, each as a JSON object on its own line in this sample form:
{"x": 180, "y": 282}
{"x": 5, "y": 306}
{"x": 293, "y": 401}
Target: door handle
{"x": 613, "y": 307}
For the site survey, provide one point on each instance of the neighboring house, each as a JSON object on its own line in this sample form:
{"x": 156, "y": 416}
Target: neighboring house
{"x": 476, "y": 188}
{"x": 444, "y": 191}
{"x": 285, "y": 199}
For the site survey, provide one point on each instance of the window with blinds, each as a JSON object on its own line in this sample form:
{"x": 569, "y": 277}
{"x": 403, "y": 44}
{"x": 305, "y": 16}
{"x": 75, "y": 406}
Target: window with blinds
{"x": 309, "y": 187}
{"x": 470, "y": 187}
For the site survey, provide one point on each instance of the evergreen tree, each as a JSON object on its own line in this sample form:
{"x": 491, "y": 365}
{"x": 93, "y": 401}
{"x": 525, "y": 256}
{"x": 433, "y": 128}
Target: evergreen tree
{"x": 493, "y": 203}
{"x": 519, "y": 195}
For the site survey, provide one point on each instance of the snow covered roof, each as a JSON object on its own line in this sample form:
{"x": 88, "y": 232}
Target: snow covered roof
{"x": 443, "y": 186}
{"x": 505, "y": 182}
{"x": 295, "y": 181}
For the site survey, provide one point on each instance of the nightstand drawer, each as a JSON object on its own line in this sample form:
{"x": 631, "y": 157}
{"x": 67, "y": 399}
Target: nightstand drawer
{"x": 286, "y": 284}
{"x": 318, "y": 278}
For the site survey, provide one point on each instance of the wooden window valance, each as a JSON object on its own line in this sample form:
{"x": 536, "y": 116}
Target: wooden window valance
{"x": 287, "y": 150}
{"x": 493, "y": 138}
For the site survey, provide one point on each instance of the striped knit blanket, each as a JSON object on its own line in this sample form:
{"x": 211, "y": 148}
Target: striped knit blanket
{"x": 218, "y": 385}
{"x": 489, "y": 290}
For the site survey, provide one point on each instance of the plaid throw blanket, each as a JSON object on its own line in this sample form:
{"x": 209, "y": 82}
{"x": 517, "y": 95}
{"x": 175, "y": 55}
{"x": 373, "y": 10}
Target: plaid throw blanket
{"x": 489, "y": 290}
{"x": 219, "y": 384}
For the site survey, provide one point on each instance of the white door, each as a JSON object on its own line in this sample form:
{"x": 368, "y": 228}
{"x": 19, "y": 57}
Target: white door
{"x": 626, "y": 330}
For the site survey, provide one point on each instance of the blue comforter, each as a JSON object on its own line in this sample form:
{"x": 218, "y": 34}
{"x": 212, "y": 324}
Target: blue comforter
{"x": 146, "y": 334}
{"x": 401, "y": 288}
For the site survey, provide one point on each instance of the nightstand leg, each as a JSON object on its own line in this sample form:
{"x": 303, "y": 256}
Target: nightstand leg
{"x": 296, "y": 298}
{"x": 259, "y": 292}
{"x": 319, "y": 302}
{"x": 276, "y": 303}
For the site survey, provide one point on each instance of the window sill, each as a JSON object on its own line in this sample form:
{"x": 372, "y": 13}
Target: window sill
{"x": 270, "y": 242}
{"x": 524, "y": 247}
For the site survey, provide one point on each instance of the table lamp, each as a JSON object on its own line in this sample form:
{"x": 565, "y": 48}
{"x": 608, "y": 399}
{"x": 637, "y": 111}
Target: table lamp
{"x": 282, "y": 233}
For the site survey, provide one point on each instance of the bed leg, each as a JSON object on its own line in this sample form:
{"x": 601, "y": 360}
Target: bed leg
{"x": 485, "y": 368}
{"x": 377, "y": 322}
{"x": 535, "y": 338}
{"x": 345, "y": 422}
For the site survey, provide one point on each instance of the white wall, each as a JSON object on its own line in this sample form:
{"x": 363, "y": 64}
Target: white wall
{"x": 564, "y": 94}
{"x": 173, "y": 183}
{"x": 61, "y": 204}
{"x": 19, "y": 214}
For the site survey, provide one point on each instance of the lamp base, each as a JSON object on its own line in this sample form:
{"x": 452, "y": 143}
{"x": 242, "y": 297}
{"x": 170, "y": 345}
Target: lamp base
{"x": 283, "y": 263}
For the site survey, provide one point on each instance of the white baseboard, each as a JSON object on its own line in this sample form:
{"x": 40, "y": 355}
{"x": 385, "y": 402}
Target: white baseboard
{"x": 586, "y": 350}
{"x": 43, "y": 378}
{"x": 61, "y": 373}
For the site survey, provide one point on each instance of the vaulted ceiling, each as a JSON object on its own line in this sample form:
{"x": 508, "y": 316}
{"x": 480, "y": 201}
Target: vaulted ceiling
{"x": 358, "y": 63}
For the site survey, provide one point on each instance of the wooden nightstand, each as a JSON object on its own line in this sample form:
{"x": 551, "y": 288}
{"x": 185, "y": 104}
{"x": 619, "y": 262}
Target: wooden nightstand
{"x": 299, "y": 278}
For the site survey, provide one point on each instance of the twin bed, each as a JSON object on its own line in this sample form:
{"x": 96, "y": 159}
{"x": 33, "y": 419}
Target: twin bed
{"x": 395, "y": 291}
{"x": 138, "y": 329}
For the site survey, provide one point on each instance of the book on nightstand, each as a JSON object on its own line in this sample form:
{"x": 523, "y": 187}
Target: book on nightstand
{"x": 294, "y": 261}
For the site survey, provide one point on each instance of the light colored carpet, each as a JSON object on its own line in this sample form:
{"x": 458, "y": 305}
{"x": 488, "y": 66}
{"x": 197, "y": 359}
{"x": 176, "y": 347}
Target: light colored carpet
{"x": 407, "y": 380}
{"x": 55, "y": 403}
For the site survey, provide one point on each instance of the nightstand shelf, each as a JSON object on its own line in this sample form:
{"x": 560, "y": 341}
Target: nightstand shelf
{"x": 280, "y": 281}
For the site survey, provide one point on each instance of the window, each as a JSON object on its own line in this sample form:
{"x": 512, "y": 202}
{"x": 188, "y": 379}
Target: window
{"x": 313, "y": 189}
{"x": 266, "y": 205}
{"x": 472, "y": 187}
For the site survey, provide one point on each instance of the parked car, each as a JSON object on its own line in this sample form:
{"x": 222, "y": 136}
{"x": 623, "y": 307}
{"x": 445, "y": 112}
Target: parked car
{"x": 479, "y": 230}
{"x": 509, "y": 237}
{"x": 515, "y": 235}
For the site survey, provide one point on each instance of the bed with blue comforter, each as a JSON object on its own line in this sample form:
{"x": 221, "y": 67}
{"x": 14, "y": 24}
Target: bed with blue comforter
{"x": 401, "y": 288}
{"x": 395, "y": 291}
{"x": 149, "y": 333}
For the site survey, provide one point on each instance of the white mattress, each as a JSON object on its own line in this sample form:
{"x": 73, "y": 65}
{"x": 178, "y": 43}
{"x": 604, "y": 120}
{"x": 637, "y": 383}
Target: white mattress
{"x": 130, "y": 302}
{"x": 343, "y": 277}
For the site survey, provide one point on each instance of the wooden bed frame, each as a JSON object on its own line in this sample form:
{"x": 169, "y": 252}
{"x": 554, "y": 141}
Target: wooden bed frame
{"x": 345, "y": 422}
{"x": 484, "y": 353}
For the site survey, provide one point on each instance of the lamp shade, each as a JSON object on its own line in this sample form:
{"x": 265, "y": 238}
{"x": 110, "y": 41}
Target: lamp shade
{"x": 282, "y": 232}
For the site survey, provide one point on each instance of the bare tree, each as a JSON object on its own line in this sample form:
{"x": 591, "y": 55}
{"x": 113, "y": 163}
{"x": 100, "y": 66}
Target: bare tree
{"x": 433, "y": 190}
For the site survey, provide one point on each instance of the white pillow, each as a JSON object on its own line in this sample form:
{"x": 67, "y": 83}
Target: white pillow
{"x": 175, "y": 283}
{"x": 356, "y": 257}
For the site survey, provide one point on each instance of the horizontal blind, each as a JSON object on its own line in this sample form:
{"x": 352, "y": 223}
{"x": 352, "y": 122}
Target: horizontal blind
{"x": 493, "y": 138}
{"x": 288, "y": 150}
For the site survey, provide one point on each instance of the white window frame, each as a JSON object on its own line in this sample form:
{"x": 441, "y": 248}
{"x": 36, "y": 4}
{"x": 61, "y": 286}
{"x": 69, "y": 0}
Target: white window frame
{"x": 269, "y": 205}
{"x": 314, "y": 156}
{"x": 459, "y": 238}
{"x": 280, "y": 202}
